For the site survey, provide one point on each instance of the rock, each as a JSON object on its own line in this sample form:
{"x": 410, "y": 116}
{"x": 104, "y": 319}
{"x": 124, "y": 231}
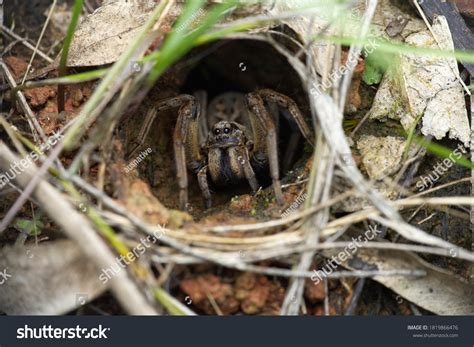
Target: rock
{"x": 382, "y": 156}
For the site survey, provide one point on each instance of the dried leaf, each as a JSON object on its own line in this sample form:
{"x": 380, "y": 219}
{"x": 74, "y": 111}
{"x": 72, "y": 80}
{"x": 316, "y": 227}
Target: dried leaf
{"x": 49, "y": 279}
{"x": 103, "y": 35}
{"x": 440, "y": 291}
{"x": 428, "y": 86}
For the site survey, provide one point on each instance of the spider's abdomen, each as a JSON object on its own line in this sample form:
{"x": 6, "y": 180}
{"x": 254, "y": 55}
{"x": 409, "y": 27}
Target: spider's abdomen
{"x": 224, "y": 165}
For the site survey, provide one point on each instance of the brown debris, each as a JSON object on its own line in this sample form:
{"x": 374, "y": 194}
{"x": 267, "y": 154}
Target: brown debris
{"x": 242, "y": 203}
{"x": 314, "y": 292}
{"x": 16, "y": 65}
{"x": 253, "y": 292}
{"x": 38, "y": 96}
{"x": 354, "y": 100}
{"x": 200, "y": 288}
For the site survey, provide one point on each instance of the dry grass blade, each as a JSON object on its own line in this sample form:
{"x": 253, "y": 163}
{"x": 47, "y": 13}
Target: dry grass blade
{"x": 7, "y": 31}
{"x": 53, "y": 5}
{"x": 36, "y": 129}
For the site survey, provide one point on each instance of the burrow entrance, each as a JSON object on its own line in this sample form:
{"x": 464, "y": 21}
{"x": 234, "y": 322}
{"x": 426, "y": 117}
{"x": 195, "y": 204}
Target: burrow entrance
{"x": 238, "y": 65}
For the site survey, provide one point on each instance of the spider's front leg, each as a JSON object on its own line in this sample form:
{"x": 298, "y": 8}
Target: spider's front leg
{"x": 186, "y": 145}
{"x": 286, "y": 102}
{"x": 202, "y": 180}
{"x": 144, "y": 130}
{"x": 263, "y": 127}
{"x": 185, "y": 139}
{"x": 265, "y": 139}
{"x": 243, "y": 159}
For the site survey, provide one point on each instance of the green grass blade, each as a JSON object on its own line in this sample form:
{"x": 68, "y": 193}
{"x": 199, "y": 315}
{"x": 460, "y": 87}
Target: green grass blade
{"x": 443, "y": 152}
{"x": 169, "y": 303}
{"x": 62, "y": 69}
{"x": 76, "y": 12}
{"x": 386, "y": 46}
{"x": 411, "y": 136}
{"x": 70, "y": 79}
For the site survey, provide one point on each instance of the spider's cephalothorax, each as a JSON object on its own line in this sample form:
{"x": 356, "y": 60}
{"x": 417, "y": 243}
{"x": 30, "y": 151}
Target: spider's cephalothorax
{"x": 237, "y": 138}
{"x": 227, "y": 152}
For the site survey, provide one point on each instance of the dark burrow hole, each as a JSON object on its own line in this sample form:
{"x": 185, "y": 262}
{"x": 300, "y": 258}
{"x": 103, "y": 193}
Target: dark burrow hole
{"x": 242, "y": 66}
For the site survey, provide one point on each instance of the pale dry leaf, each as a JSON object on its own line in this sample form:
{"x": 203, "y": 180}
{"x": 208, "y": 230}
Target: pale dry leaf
{"x": 439, "y": 291}
{"x": 427, "y": 86}
{"x": 49, "y": 279}
{"x": 105, "y": 34}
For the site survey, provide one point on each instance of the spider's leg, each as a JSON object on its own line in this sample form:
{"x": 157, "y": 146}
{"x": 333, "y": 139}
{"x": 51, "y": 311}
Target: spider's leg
{"x": 263, "y": 127}
{"x": 185, "y": 138}
{"x": 179, "y": 139}
{"x": 186, "y": 142}
{"x": 145, "y": 129}
{"x": 201, "y": 97}
{"x": 288, "y": 103}
{"x": 202, "y": 180}
{"x": 244, "y": 160}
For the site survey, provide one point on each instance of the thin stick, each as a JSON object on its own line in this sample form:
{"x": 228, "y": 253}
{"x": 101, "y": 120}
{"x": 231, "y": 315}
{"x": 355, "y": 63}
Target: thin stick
{"x": 285, "y": 251}
{"x": 39, "y": 40}
{"x": 36, "y": 129}
{"x": 354, "y": 52}
{"x": 355, "y": 298}
{"x": 26, "y": 43}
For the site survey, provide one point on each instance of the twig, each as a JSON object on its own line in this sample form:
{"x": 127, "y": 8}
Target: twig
{"x": 355, "y": 51}
{"x": 326, "y": 297}
{"x": 355, "y": 298}
{"x": 285, "y": 251}
{"x": 36, "y": 129}
{"x": 39, "y": 40}
{"x": 26, "y": 43}
{"x": 230, "y": 261}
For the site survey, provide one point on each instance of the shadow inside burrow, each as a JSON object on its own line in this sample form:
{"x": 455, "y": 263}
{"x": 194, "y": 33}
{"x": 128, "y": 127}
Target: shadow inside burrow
{"x": 231, "y": 65}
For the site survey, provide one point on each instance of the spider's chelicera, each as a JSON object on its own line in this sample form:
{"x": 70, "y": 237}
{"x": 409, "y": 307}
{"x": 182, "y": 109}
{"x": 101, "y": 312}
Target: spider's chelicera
{"x": 229, "y": 140}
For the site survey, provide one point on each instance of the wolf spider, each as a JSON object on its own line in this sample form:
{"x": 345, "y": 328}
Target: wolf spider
{"x": 242, "y": 140}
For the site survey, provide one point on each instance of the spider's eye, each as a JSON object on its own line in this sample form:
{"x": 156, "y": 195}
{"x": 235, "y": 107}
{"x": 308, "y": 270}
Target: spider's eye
{"x": 226, "y": 130}
{"x": 217, "y": 131}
